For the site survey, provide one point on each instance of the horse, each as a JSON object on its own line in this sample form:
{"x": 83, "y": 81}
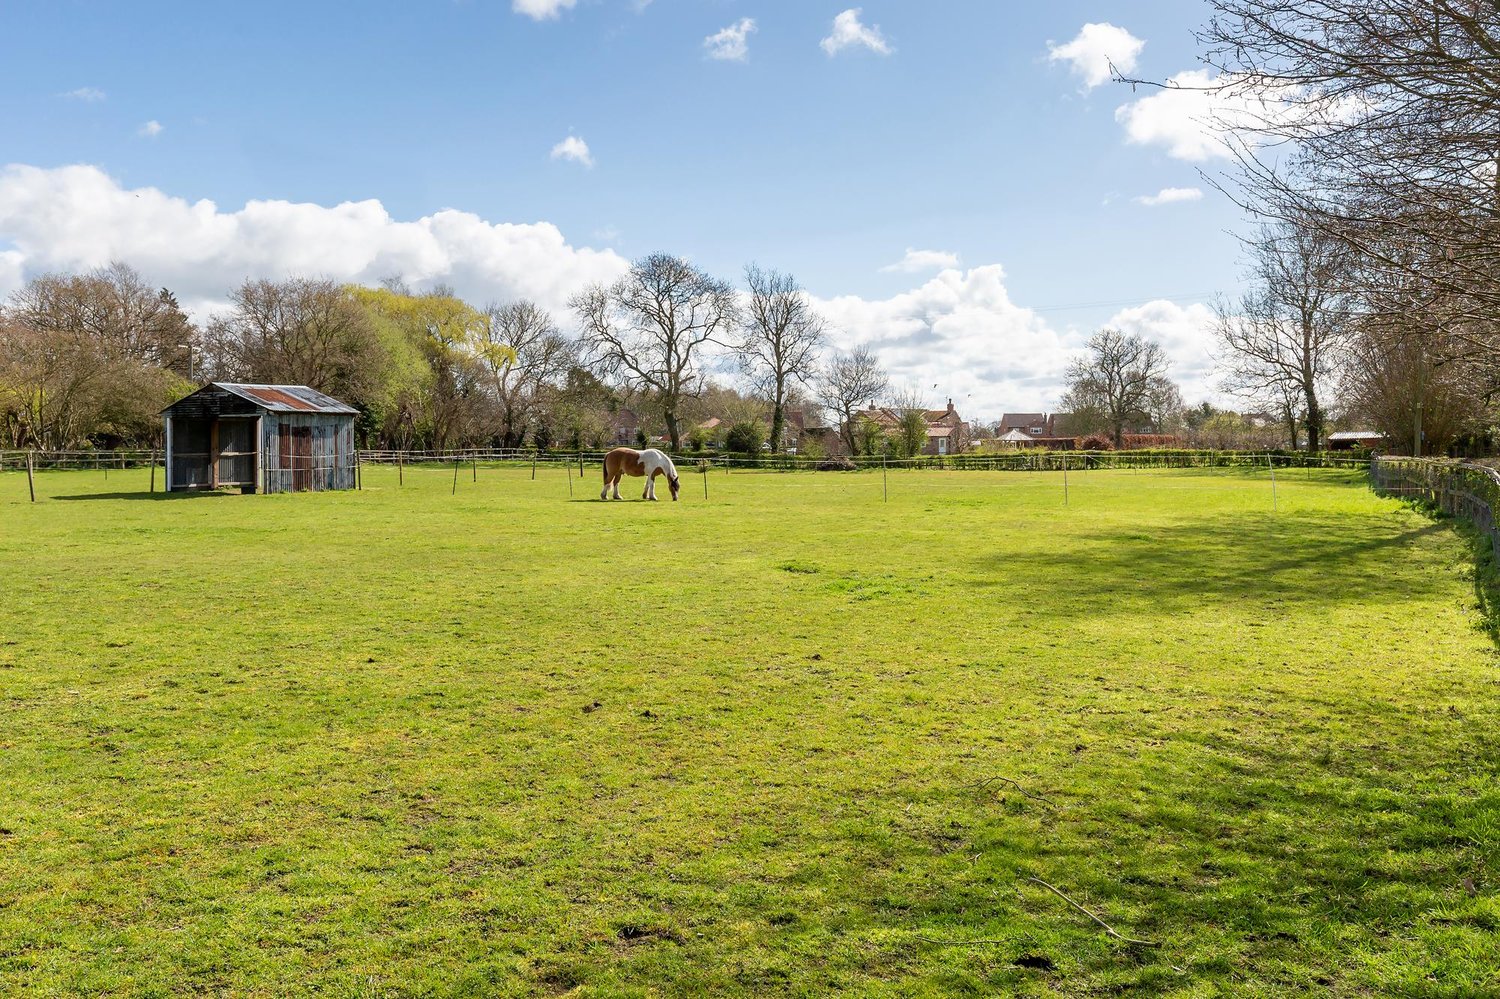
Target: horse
{"x": 650, "y": 463}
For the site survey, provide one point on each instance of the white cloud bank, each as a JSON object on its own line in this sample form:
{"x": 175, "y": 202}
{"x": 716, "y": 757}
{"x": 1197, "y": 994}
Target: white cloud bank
{"x": 574, "y": 149}
{"x": 850, "y": 32}
{"x": 1170, "y": 196}
{"x": 732, "y": 44}
{"x": 959, "y": 335}
{"x": 542, "y": 10}
{"x": 1095, "y": 49}
{"x": 918, "y": 261}
{"x": 150, "y": 129}
{"x": 89, "y": 95}
{"x": 78, "y": 217}
{"x": 958, "y": 331}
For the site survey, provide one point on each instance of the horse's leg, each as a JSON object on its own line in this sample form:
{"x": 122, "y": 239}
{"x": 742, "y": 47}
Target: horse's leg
{"x": 618, "y": 477}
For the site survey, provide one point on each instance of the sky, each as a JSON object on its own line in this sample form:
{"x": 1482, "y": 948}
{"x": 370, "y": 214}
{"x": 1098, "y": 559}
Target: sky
{"x": 958, "y": 183}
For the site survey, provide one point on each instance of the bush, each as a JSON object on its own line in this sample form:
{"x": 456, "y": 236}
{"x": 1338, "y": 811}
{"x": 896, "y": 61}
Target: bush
{"x": 1096, "y": 442}
{"x": 745, "y": 437}
{"x": 837, "y": 465}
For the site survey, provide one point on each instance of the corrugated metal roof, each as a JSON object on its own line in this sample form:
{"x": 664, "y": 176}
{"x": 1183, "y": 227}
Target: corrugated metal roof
{"x": 287, "y": 398}
{"x": 1354, "y": 435}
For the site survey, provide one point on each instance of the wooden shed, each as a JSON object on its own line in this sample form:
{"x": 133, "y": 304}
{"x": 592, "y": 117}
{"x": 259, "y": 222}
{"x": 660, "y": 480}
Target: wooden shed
{"x": 266, "y": 438}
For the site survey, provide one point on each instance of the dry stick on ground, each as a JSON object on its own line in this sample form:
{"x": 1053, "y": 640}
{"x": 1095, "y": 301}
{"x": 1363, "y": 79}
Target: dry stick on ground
{"x": 1107, "y": 928}
{"x": 1015, "y": 784}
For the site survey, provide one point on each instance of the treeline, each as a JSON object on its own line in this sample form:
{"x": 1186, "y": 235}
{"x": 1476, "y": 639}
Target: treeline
{"x": 90, "y": 360}
{"x": 1367, "y": 148}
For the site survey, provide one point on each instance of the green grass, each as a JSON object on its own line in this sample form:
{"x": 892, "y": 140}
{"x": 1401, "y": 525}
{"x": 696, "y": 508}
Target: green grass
{"x": 401, "y": 743}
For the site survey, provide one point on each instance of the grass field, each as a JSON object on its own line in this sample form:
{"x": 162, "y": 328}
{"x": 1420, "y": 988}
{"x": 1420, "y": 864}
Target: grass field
{"x": 399, "y": 743}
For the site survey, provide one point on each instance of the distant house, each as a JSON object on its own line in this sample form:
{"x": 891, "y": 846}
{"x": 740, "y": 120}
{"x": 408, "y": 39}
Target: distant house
{"x": 624, "y": 426}
{"x": 1348, "y": 440}
{"x": 947, "y": 433}
{"x": 1034, "y": 424}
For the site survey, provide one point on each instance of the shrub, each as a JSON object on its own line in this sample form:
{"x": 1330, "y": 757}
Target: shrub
{"x": 837, "y": 465}
{"x": 745, "y": 437}
{"x": 1096, "y": 442}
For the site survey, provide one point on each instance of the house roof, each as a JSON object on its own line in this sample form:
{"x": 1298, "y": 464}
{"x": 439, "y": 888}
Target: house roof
{"x": 280, "y": 398}
{"x": 940, "y": 431}
{"x": 1021, "y": 419}
{"x": 1015, "y": 435}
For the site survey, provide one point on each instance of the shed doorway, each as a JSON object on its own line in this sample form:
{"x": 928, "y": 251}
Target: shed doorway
{"x": 295, "y": 446}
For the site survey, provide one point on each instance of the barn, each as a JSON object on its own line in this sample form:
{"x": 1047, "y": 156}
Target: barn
{"x": 261, "y": 438}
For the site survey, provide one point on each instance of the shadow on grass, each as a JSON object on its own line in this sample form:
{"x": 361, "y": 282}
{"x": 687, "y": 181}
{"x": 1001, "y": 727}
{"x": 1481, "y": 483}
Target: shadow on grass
{"x": 154, "y": 497}
{"x": 1321, "y": 559}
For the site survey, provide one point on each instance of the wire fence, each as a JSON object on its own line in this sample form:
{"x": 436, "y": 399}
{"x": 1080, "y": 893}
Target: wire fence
{"x": 1018, "y": 461}
{"x": 1459, "y": 489}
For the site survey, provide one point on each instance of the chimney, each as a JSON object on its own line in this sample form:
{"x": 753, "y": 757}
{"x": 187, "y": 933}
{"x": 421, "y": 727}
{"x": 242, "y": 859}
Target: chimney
{"x": 950, "y": 405}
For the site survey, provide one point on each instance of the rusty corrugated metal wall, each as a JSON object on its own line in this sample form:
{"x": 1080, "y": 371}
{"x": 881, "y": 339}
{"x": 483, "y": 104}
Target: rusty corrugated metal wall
{"x": 307, "y": 452}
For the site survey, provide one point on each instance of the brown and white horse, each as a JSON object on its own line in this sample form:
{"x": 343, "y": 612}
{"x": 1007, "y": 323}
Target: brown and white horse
{"x": 649, "y": 463}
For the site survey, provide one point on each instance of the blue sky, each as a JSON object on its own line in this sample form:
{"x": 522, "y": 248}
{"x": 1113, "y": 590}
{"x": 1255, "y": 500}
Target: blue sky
{"x": 950, "y": 131}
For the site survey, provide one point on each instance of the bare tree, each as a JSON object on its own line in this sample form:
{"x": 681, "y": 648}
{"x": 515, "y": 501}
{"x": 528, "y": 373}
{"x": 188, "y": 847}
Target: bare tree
{"x": 1418, "y": 390}
{"x": 524, "y": 352}
{"x": 782, "y": 336}
{"x": 849, "y": 380}
{"x": 1112, "y": 386}
{"x": 911, "y": 421}
{"x": 301, "y": 331}
{"x": 1286, "y": 336}
{"x": 649, "y": 328}
{"x": 1373, "y": 121}
{"x": 82, "y": 356}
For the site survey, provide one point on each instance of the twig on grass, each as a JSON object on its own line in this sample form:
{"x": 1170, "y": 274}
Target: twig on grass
{"x": 1107, "y": 928}
{"x": 1015, "y": 784}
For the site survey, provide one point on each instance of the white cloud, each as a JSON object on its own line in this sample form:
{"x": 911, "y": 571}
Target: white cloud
{"x": 77, "y": 217}
{"x": 1185, "y": 333}
{"x": 150, "y": 130}
{"x": 88, "y": 95}
{"x": 961, "y": 332}
{"x": 542, "y": 10}
{"x": 575, "y": 149}
{"x": 732, "y": 43}
{"x": 917, "y": 261}
{"x": 1193, "y": 113}
{"x": 1170, "y": 196}
{"x": 1098, "y": 46}
{"x": 849, "y": 32}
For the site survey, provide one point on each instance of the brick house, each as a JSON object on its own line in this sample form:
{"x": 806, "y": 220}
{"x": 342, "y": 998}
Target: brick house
{"x": 947, "y": 433}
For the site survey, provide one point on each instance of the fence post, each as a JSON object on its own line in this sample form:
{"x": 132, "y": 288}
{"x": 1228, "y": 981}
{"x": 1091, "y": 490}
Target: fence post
{"x": 1065, "y": 478}
{"x": 400, "y": 470}
{"x": 153, "y": 470}
{"x": 885, "y": 483}
{"x": 30, "y": 477}
{"x": 1270, "y": 461}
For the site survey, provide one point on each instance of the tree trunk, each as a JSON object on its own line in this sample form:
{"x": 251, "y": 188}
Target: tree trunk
{"x": 1314, "y": 421}
{"x": 673, "y": 433}
{"x": 778, "y": 426}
